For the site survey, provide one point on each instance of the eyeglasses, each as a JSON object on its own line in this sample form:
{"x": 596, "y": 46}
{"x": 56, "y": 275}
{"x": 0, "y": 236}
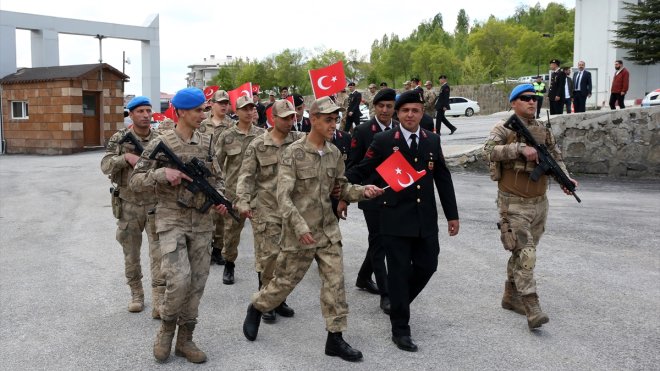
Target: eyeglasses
{"x": 527, "y": 98}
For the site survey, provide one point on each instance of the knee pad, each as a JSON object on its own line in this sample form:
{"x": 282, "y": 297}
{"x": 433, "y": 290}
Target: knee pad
{"x": 528, "y": 257}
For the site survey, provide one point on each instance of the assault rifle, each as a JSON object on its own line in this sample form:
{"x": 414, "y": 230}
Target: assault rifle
{"x": 131, "y": 138}
{"x": 547, "y": 165}
{"x": 198, "y": 172}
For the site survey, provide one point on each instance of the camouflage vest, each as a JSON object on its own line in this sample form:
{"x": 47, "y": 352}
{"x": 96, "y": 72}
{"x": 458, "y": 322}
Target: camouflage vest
{"x": 121, "y": 178}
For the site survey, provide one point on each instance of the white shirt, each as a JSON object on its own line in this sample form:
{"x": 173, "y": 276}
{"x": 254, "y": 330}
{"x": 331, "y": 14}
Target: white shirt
{"x": 407, "y": 134}
{"x": 567, "y": 93}
{"x": 382, "y": 126}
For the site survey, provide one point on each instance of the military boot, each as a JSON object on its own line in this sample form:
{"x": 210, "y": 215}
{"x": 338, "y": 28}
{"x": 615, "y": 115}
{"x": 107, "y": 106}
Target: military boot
{"x": 511, "y": 299}
{"x": 157, "y": 295}
{"x": 535, "y": 317}
{"x": 216, "y": 256}
{"x": 163, "y": 344}
{"x": 284, "y": 310}
{"x": 251, "y": 323}
{"x": 336, "y": 346}
{"x": 185, "y": 346}
{"x": 228, "y": 275}
{"x": 137, "y": 298}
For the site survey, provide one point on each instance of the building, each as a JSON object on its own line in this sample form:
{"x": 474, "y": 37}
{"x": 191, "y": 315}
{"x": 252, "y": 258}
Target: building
{"x": 202, "y": 73}
{"x": 594, "y": 22}
{"x": 61, "y": 109}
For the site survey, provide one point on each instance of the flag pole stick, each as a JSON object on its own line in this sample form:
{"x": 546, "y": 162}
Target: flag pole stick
{"x": 386, "y": 187}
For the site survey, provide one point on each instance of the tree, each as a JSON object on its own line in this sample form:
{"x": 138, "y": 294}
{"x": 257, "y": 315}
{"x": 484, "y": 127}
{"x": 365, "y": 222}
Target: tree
{"x": 497, "y": 42}
{"x": 639, "y": 33}
{"x": 290, "y": 71}
{"x": 475, "y": 70}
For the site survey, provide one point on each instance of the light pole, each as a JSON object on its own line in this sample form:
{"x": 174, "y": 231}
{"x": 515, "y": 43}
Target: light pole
{"x": 125, "y": 61}
{"x": 100, "y": 37}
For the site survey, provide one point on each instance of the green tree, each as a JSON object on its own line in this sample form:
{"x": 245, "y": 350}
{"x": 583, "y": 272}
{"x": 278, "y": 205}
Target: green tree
{"x": 475, "y": 69}
{"x": 290, "y": 71}
{"x": 639, "y": 33}
{"x": 497, "y": 42}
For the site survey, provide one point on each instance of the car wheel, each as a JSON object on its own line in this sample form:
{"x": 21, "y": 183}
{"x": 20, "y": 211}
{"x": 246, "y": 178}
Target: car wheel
{"x": 469, "y": 112}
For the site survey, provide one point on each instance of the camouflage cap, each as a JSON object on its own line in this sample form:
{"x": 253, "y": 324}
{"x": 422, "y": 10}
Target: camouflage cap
{"x": 283, "y": 108}
{"x": 372, "y": 86}
{"x": 428, "y": 82}
{"x": 243, "y": 101}
{"x": 406, "y": 83}
{"x": 220, "y": 96}
{"x": 323, "y": 105}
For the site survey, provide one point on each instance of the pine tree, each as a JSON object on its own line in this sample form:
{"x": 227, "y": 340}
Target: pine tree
{"x": 639, "y": 33}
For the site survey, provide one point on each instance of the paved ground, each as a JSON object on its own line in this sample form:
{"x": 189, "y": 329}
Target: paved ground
{"x": 63, "y": 298}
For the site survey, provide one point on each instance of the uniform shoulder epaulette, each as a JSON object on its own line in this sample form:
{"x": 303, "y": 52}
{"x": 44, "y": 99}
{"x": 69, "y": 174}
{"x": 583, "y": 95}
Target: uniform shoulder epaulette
{"x": 172, "y": 140}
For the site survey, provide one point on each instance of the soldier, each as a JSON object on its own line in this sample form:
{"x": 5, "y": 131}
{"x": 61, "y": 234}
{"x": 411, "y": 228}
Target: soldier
{"x": 302, "y": 123}
{"x": 284, "y": 92}
{"x": 522, "y": 203}
{"x": 342, "y": 102}
{"x": 308, "y": 170}
{"x": 218, "y": 122}
{"x": 261, "y": 111}
{"x": 134, "y": 210}
{"x": 429, "y": 99}
{"x": 257, "y": 185}
{"x": 184, "y": 233}
{"x": 353, "y": 113}
{"x": 415, "y": 84}
{"x": 374, "y": 260}
{"x": 229, "y": 150}
{"x": 441, "y": 105}
{"x": 408, "y": 219}
{"x": 557, "y": 90}
{"x": 368, "y": 99}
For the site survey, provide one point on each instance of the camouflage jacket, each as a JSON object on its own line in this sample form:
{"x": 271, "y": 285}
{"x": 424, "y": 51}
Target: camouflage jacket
{"x": 429, "y": 101}
{"x": 210, "y": 128}
{"x": 229, "y": 150}
{"x": 305, "y": 180}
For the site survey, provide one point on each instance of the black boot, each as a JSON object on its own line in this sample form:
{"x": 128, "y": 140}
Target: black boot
{"x": 251, "y": 323}
{"x": 228, "y": 275}
{"x": 335, "y": 346}
{"x": 269, "y": 317}
{"x": 216, "y": 257}
{"x": 284, "y": 310}
{"x": 385, "y": 304}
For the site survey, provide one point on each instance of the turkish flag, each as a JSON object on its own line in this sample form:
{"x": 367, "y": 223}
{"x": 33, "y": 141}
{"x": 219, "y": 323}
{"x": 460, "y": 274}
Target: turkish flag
{"x": 158, "y": 117}
{"x": 398, "y": 173}
{"x": 210, "y": 90}
{"x": 245, "y": 89}
{"x": 255, "y": 89}
{"x": 171, "y": 114}
{"x": 328, "y": 80}
{"x": 269, "y": 116}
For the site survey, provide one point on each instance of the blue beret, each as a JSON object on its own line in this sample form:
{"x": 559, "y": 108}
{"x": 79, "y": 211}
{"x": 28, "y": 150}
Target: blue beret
{"x": 519, "y": 90}
{"x": 410, "y": 96}
{"x": 188, "y": 98}
{"x": 137, "y": 102}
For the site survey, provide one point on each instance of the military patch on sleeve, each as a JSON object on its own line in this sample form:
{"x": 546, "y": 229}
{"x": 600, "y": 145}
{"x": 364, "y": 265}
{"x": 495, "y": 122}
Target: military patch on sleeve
{"x": 287, "y": 161}
{"x": 261, "y": 147}
{"x": 229, "y": 139}
{"x": 299, "y": 154}
{"x": 249, "y": 151}
{"x": 370, "y": 153}
{"x": 202, "y": 128}
{"x": 353, "y": 142}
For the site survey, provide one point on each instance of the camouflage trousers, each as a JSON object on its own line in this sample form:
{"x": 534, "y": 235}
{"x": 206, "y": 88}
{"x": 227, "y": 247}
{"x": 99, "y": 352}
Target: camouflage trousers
{"x": 231, "y": 238}
{"x": 218, "y": 233}
{"x": 290, "y": 268}
{"x": 526, "y": 218}
{"x": 133, "y": 220}
{"x": 266, "y": 248}
{"x": 186, "y": 264}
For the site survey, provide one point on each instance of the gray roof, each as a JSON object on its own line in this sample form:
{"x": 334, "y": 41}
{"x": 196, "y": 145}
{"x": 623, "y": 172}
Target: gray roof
{"x": 39, "y": 74}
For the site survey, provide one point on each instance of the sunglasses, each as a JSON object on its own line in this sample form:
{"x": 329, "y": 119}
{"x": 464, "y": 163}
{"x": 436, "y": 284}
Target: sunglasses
{"x": 527, "y": 98}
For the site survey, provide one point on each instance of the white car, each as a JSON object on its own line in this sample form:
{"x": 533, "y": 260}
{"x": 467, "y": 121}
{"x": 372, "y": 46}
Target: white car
{"x": 459, "y": 106}
{"x": 364, "y": 109}
{"x": 652, "y": 99}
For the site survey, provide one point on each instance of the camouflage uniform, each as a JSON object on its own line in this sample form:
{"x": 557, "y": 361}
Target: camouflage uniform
{"x": 258, "y": 182}
{"x": 209, "y": 127}
{"x": 229, "y": 150}
{"x": 184, "y": 233}
{"x": 342, "y": 102}
{"x": 429, "y": 102}
{"x": 522, "y": 203}
{"x": 369, "y": 101}
{"x": 135, "y": 215}
{"x": 304, "y": 182}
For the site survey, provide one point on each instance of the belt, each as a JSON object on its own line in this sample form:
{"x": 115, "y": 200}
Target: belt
{"x": 513, "y": 199}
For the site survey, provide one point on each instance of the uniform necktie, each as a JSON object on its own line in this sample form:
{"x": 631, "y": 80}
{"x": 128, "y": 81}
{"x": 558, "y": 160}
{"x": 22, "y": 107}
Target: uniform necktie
{"x": 413, "y": 143}
{"x": 387, "y": 128}
{"x": 299, "y": 127}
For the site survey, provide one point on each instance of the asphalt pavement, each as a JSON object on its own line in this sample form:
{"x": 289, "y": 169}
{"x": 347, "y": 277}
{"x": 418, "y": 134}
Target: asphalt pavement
{"x": 63, "y": 296}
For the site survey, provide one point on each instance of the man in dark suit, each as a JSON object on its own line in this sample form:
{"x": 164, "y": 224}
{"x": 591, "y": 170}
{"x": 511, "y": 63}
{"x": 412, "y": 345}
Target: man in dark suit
{"x": 441, "y": 105}
{"x": 557, "y": 90}
{"x": 374, "y": 261}
{"x": 302, "y": 123}
{"x": 408, "y": 219}
{"x": 341, "y": 140}
{"x": 261, "y": 110}
{"x": 353, "y": 111}
{"x": 582, "y": 81}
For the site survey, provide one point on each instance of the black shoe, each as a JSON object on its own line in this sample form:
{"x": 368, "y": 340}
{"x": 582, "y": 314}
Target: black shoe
{"x": 251, "y": 323}
{"x": 228, "y": 275}
{"x": 385, "y": 304}
{"x": 284, "y": 310}
{"x": 367, "y": 284}
{"x": 335, "y": 346}
{"x": 269, "y": 317}
{"x": 216, "y": 257}
{"x": 404, "y": 343}
{"x": 452, "y": 131}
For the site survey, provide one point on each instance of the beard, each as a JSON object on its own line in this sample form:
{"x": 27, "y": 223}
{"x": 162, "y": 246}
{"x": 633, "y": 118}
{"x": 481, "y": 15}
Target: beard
{"x": 617, "y": 67}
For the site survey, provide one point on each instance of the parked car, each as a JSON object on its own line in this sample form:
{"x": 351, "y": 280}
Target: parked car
{"x": 459, "y": 106}
{"x": 364, "y": 109}
{"x": 652, "y": 99}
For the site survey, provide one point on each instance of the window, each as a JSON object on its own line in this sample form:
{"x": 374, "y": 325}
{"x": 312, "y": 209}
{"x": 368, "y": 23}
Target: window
{"x": 19, "y": 110}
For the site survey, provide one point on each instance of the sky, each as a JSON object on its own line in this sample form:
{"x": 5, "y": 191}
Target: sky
{"x": 252, "y": 29}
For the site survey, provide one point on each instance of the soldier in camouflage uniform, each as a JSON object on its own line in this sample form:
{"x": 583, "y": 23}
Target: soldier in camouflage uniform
{"x": 368, "y": 99}
{"x": 218, "y": 122}
{"x": 308, "y": 171}
{"x": 184, "y": 233}
{"x": 229, "y": 150}
{"x": 342, "y": 102}
{"x": 429, "y": 99}
{"x": 522, "y": 203}
{"x": 134, "y": 210}
{"x": 257, "y": 184}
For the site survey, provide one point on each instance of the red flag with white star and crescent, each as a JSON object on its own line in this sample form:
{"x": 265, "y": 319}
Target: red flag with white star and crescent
{"x": 328, "y": 80}
{"x": 245, "y": 89}
{"x": 398, "y": 173}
